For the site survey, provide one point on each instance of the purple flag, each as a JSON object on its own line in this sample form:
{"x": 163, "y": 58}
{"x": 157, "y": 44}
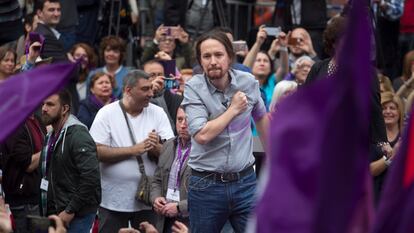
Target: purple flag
{"x": 396, "y": 209}
{"x": 318, "y": 177}
{"x": 21, "y": 94}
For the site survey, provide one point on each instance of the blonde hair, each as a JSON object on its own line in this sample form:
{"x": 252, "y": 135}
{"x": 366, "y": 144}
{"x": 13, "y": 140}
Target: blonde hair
{"x": 387, "y": 97}
{"x": 384, "y": 80}
{"x": 280, "y": 90}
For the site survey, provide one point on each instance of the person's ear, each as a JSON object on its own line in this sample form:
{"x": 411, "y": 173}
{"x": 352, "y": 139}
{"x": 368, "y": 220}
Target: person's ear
{"x": 66, "y": 109}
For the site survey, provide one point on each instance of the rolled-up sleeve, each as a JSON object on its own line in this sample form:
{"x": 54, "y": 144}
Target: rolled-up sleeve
{"x": 195, "y": 109}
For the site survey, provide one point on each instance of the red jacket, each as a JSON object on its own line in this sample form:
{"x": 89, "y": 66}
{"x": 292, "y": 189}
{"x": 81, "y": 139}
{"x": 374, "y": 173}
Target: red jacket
{"x": 407, "y": 19}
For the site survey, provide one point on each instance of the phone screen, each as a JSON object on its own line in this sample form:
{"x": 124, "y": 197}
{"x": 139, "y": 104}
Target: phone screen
{"x": 169, "y": 69}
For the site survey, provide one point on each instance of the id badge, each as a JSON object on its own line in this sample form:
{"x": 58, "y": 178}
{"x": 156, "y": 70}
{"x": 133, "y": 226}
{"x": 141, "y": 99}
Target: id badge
{"x": 44, "y": 184}
{"x": 173, "y": 195}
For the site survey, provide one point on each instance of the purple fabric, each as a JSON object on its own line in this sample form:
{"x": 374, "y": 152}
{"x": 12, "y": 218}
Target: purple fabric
{"x": 396, "y": 209}
{"x": 318, "y": 178}
{"x": 97, "y": 102}
{"x": 21, "y": 94}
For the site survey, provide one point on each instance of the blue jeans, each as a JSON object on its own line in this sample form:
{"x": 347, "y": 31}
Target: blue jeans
{"x": 212, "y": 203}
{"x": 81, "y": 224}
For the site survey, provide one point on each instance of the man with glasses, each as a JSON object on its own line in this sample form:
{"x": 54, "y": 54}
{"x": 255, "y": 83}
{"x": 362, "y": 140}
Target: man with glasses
{"x": 163, "y": 97}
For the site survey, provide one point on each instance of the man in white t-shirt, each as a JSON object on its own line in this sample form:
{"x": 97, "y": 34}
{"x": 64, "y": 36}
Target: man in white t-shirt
{"x": 117, "y": 154}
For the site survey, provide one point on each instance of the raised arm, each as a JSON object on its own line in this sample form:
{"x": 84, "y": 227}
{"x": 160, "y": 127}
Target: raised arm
{"x": 251, "y": 56}
{"x": 280, "y": 45}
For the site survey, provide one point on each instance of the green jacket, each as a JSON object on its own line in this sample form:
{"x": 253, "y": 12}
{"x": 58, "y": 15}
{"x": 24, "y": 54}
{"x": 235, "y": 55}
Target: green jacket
{"x": 73, "y": 172}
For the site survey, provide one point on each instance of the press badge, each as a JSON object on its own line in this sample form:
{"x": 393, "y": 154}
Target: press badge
{"x": 44, "y": 184}
{"x": 173, "y": 195}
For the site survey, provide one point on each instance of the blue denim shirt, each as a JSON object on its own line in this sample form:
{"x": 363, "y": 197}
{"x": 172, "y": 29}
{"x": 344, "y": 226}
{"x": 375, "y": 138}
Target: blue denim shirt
{"x": 232, "y": 149}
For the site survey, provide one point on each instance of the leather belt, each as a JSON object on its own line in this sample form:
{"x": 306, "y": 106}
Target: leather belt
{"x": 223, "y": 177}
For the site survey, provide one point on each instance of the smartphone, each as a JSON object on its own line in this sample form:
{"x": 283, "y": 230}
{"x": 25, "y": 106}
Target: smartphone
{"x": 172, "y": 31}
{"x": 38, "y": 224}
{"x": 171, "y": 84}
{"x": 273, "y": 31}
{"x": 34, "y": 37}
{"x": 169, "y": 69}
{"x": 239, "y": 45}
{"x": 294, "y": 41}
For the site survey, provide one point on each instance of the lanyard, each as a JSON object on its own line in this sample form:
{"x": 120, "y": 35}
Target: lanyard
{"x": 51, "y": 146}
{"x": 180, "y": 162}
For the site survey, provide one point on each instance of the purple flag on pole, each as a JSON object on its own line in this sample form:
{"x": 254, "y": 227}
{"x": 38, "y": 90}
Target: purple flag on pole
{"x": 396, "y": 209}
{"x": 21, "y": 94}
{"x": 318, "y": 177}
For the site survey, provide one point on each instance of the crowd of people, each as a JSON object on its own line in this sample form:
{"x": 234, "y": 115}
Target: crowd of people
{"x": 166, "y": 144}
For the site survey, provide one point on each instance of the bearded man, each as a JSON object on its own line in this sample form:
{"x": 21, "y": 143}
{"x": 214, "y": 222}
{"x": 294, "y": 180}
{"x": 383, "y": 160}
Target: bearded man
{"x": 70, "y": 185}
{"x": 219, "y": 105}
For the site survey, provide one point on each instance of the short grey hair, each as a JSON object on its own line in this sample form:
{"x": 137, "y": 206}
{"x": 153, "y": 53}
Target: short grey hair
{"x": 131, "y": 79}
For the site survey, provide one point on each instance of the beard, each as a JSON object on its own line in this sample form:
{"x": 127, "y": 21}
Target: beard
{"x": 50, "y": 120}
{"x": 215, "y": 73}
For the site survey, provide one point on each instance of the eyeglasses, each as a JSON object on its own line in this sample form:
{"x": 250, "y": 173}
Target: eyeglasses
{"x": 153, "y": 75}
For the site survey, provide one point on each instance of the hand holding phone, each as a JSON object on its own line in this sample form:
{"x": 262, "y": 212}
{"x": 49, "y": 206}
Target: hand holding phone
{"x": 34, "y": 38}
{"x": 294, "y": 41}
{"x": 171, "y": 83}
{"x": 169, "y": 71}
{"x": 273, "y": 31}
{"x": 172, "y": 31}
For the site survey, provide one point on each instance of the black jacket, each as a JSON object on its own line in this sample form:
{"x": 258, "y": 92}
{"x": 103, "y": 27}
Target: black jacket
{"x": 20, "y": 187}
{"x": 313, "y": 14}
{"x": 377, "y": 125}
{"x": 52, "y": 47}
{"x": 87, "y": 112}
{"x": 74, "y": 177}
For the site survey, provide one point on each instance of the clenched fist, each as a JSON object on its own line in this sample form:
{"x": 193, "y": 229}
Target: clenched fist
{"x": 239, "y": 103}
